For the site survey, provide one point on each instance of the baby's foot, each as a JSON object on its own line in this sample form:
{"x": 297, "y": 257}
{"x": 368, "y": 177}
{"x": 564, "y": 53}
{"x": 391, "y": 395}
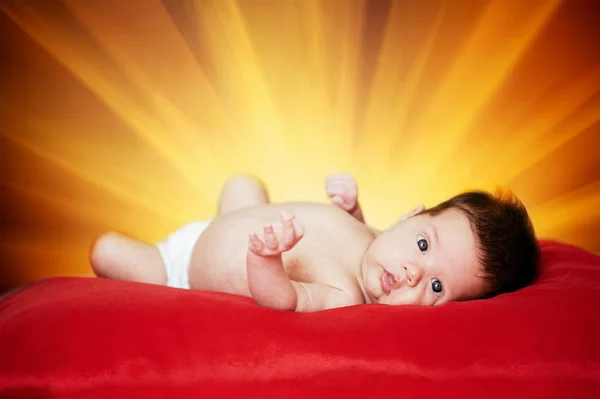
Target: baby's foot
{"x": 277, "y": 238}
{"x": 342, "y": 190}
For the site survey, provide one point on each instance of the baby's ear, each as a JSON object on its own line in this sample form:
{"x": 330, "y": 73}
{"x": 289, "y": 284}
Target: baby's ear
{"x": 414, "y": 212}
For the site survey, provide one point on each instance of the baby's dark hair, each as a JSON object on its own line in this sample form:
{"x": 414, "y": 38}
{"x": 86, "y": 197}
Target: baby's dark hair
{"x": 507, "y": 247}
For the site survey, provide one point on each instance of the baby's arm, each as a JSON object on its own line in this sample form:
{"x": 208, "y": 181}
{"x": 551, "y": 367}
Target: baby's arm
{"x": 268, "y": 282}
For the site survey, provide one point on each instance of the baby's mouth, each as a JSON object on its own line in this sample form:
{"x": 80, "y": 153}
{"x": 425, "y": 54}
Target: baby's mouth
{"x": 388, "y": 281}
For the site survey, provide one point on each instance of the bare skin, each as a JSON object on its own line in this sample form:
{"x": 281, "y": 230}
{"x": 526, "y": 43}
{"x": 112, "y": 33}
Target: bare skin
{"x": 303, "y": 256}
{"x": 117, "y": 256}
{"x": 302, "y": 272}
{"x": 288, "y": 265}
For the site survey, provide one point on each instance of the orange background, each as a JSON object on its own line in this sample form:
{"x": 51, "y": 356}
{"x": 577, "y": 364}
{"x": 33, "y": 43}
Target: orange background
{"x": 129, "y": 115}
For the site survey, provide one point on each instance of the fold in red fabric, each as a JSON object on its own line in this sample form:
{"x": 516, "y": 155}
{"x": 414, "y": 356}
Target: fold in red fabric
{"x": 97, "y": 338}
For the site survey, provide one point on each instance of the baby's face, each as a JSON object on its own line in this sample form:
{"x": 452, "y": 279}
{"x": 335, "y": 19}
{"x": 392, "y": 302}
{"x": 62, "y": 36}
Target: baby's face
{"x": 424, "y": 260}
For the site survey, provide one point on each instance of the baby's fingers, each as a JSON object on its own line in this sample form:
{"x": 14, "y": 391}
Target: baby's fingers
{"x": 289, "y": 232}
{"x": 269, "y": 236}
{"x": 255, "y": 243}
{"x": 299, "y": 229}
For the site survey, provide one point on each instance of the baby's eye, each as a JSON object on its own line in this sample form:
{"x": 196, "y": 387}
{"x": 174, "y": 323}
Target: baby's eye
{"x": 436, "y": 286}
{"x": 422, "y": 244}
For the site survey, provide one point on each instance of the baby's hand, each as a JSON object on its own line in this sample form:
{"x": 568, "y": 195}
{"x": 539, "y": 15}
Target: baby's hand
{"x": 278, "y": 238}
{"x": 342, "y": 190}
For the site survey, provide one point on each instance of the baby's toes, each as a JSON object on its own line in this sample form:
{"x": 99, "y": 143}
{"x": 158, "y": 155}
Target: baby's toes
{"x": 347, "y": 191}
{"x": 338, "y": 177}
{"x": 336, "y": 187}
{"x": 347, "y": 203}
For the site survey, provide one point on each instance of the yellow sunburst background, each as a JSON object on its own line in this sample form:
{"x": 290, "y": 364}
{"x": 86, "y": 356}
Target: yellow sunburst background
{"x": 130, "y": 115}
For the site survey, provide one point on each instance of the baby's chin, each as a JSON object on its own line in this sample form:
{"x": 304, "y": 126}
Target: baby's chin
{"x": 374, "y": 290}
{"x": 373, "y": 297}
{"x": 371, "y": 272}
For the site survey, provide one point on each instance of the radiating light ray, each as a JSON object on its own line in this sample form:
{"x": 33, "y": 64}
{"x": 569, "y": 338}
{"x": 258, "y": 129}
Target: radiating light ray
{"x": 345, "y": 81}
{"x": 376, "y": 131}
{"x": 278, "y": 45}
{"x": 317, "y": 107}
{"x": 179, "y": 131}
{"x": 568, "y": 128}
{"x": 328, "y": 88}
{"x": 98, "y": 216}
{"x": 330, "y": 114}
{"x": 87, "y": 149}
{"x": 121, "y": 46}
{"x": 391, "y": 94}
{"x": 483, "y": 157}
{"x": 469, "y": 85}
{"x": 552, "y": 115}
{"x": 299, "y": 91}
{"x": 106, "y": 184}
{"x": 222, "y": 29}
{"x": 78, "y": 152}
{"x": 400, "y": 111}
{"x": 121, "y": 43}
{"x": 310, "y": 11}
{"x": 557, "y": 118}
{"x": 33, "y": 255}
{"x": 78, "y": 60}
{"x": 559, "y": 213}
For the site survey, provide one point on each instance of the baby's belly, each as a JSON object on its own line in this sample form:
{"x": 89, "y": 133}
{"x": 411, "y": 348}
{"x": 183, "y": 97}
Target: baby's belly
{"x": 219, "y": 259}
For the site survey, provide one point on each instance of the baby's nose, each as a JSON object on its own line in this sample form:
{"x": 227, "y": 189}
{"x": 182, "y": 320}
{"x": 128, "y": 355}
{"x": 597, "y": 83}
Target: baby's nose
{"x": 413, "y": 274}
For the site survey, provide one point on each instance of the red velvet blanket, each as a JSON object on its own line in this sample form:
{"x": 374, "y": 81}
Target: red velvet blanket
{"x": 95, "y": 338}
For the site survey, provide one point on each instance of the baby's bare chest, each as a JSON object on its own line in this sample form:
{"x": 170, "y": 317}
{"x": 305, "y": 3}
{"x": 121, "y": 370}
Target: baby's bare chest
{"x": 330, "y": 251}
{"x": 323, "y": 257}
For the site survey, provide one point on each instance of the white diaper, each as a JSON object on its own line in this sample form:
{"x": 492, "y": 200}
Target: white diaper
{"x": 176, "y": 252}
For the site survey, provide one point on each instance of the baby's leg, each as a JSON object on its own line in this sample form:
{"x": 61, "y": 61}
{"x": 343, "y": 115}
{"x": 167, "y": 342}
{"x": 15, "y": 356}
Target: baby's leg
{"x": 119, "y": 257}
{"x": 242, "y": 191}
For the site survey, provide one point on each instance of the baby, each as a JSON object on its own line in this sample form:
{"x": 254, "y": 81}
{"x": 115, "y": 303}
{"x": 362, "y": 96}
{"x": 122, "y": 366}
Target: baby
{"x": 312, "y": 256}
